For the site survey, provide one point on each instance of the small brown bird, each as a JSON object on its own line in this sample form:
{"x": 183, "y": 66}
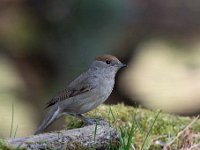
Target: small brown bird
{"x": 85, "y": 93}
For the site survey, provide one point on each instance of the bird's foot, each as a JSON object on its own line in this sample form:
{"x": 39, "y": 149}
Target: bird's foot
{"x": 91, "y": 121}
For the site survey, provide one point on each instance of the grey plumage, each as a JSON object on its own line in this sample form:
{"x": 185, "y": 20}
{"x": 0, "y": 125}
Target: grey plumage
{"x": 86, "y": 92}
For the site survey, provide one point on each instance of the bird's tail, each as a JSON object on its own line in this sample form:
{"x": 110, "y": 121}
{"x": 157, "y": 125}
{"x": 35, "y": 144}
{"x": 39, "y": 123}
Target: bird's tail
{"x": 53, "y": 115}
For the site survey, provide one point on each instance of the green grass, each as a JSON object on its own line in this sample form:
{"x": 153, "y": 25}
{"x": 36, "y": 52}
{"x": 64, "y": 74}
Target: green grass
{"x": 11, "y": 135}
{"x": 95, "y": 133}
{"x": 5, "y": 146}
{"x": 138, "y": 128}
{"x": 149, "y": 132}
{"x": 12, "y": 121}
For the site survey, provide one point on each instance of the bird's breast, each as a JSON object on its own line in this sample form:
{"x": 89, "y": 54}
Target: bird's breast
{"x": 106, "y": 86}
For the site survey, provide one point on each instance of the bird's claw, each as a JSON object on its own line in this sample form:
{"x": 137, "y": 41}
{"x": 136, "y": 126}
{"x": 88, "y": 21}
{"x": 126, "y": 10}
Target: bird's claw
{"x": 92, "y": 121}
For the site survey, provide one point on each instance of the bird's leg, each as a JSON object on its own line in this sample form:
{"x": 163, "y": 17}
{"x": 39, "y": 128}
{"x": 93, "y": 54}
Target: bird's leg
{"x": 88, "y": 121}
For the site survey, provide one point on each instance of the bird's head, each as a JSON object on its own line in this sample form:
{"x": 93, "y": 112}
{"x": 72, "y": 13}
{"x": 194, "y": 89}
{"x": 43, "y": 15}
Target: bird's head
{"x": 107, "y": 63}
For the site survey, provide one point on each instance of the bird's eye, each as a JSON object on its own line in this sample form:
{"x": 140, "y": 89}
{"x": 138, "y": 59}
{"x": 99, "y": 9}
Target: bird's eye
{"x": 108, "y": 61}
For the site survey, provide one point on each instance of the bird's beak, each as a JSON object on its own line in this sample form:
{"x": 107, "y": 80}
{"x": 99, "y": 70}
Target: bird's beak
{"x": 122, "y": 65}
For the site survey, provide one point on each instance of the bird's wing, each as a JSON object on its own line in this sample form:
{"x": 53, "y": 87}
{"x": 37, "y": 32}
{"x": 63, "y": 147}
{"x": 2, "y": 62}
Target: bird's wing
{"x": 77, "y": 87}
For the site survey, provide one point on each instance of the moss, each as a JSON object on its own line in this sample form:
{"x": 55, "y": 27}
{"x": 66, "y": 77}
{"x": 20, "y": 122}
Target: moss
{"x": 5, "y": 146}
{"x": 124, "y": 117}
{"x": 72, "y": 122}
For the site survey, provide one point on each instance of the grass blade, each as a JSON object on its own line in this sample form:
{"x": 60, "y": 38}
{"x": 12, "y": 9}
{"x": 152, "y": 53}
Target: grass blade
{"x": 148, "y": 133}
{"x": 130, "y": 136}
{"x": 111, "y": 112}
{"x": 15, "y": 131}
{"x": 122, "y": 137}
{"x": 138, "y": 126}
{"x": 12, "y": 120}
{"x": 95, "y": 133}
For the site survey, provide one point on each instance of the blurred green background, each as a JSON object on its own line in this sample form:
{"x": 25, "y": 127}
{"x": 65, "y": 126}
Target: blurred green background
{"x": 46, "y": 44}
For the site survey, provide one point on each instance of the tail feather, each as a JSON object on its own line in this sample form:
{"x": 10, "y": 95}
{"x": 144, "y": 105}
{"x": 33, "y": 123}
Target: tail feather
{"x": 52, "y": 116}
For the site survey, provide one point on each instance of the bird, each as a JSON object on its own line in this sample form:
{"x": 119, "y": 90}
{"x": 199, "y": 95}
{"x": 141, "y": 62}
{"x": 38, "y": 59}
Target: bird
{"x": 86, "y": 92}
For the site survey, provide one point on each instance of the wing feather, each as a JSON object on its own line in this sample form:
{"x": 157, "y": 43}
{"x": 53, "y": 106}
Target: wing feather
{"x": 78, "y": 86}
